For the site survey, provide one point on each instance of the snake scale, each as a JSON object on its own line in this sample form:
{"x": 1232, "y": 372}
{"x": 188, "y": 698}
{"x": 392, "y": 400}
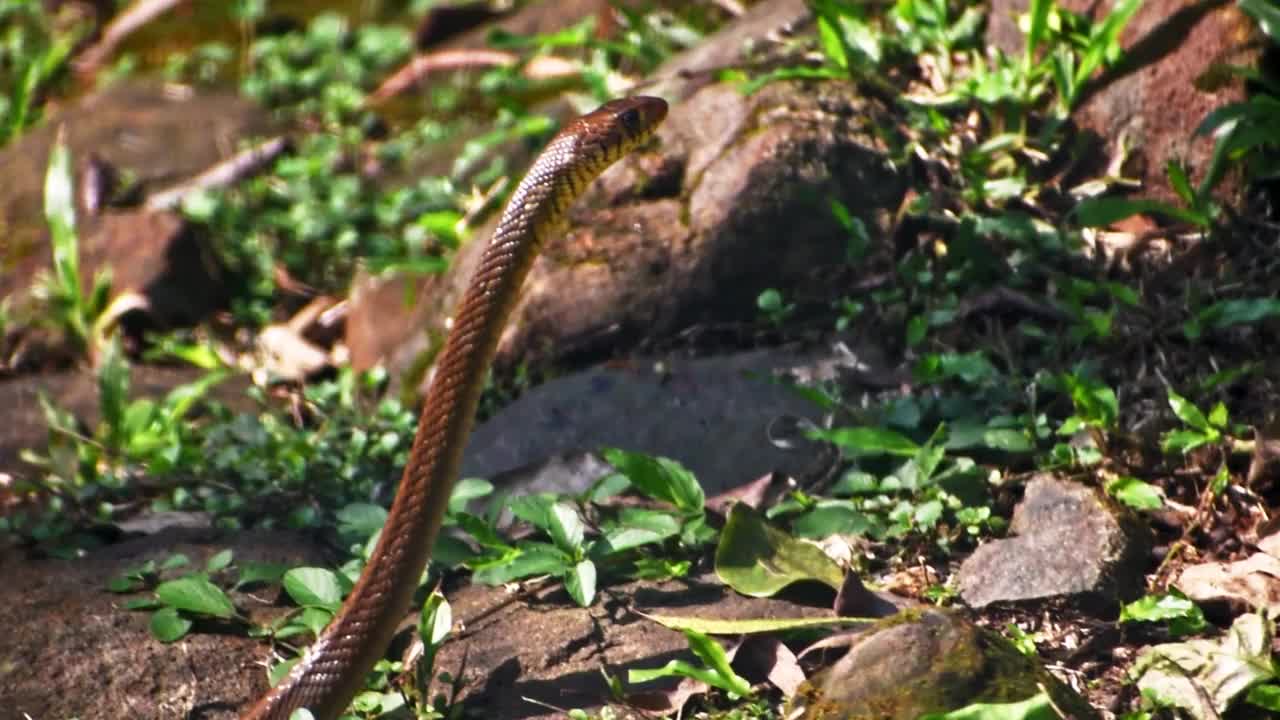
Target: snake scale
{"x": 334, "y": 667}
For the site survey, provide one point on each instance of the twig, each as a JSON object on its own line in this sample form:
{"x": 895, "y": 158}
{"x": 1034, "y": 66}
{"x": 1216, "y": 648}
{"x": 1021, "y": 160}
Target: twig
{"x": 125, "y": 24}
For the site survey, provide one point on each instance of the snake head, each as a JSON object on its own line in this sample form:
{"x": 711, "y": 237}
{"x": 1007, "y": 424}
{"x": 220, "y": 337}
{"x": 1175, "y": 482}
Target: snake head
{"x": 616, "y": 128}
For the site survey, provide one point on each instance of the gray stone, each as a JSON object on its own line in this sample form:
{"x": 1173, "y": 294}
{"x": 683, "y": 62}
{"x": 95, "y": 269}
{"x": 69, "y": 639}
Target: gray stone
{"x": 1068, "y": 540}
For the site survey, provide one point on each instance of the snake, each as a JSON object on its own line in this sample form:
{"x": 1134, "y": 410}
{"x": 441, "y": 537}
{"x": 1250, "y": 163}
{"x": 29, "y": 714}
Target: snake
{"x": 333, "y": 668}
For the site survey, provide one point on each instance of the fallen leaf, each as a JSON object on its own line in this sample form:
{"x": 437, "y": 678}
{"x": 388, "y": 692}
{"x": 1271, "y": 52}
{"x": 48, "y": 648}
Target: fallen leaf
{"x": 757, "y": 559}
{"x": 1204, "y": 676}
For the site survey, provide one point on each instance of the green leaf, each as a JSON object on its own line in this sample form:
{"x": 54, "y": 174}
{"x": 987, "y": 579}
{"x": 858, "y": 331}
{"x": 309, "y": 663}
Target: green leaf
{"x": 1266, "y": 697}
{"x": 312, "y": 586}
{"x": 836, "y": 517}
{"x": 566, "y": 528}
{"x": 1009, "y": 440}
{"x": 260, "y": 573}
{"x": 1179, "y": 182}
{"x": 757, "y": 559}
{"x": 179, "y": 401}
{"x": 1218, "y": 416}
{"x": 1036, "y": 707}
{"x": 175, "y": 561}
{"x": 534, "y": 509}
{"x": 1239, "y": 311}
{"x": 872, "y": 441}
{"x": 750, "y": 626}
{"x": 1187, "y": 412}
{"x": 636, "y": 527}
{"x": 676, "y": 668}
{"x": 927, "y": 513}
{"x": 1037, "y": 31}
{"x": 719, "y": 674}
{"x": 832, "y": 43}
{"x": 917, "y": 328}
{"x": 124, "y": 584}
{"x": 278, "y": 673}
{"x": 1220, "y": 480}
{"x": 219, "y": 561}
{"x": 581, "y": 583}
{"x": 973, "y": 368}
{"x": 1094, "y": 402}
{"x": 531, "y": 559}
{"x": 1186, "y": 440}
{"x": 59, "y": 191}
{"x": 1135, "y": 493}
{"x": 659, "y": 478}
{"x": 167, "y": 625}
{"x": 437, "y": 620}
{"x": 314, "y": 619}
{"x": 466, "y": 490}
{"x": 1103, "y": 211}
{"x": 361, "y": 519}
{"x": 712, "y": 653}
{"x": 196, "y": 594}
{"x": 1183, "y": 616}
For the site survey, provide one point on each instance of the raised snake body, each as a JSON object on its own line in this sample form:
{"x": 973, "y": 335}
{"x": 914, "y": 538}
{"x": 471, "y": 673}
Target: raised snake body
{"x": 333, "y": 669}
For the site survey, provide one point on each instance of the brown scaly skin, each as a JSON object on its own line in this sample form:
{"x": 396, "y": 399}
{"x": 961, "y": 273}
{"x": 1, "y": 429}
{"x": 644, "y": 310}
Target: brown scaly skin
{"x": 334, "y": 667}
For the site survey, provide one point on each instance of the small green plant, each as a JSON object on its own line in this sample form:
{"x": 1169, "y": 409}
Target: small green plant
{"x": 32, "y": 55}
{"x": 909, "y": 496}
{"x": 776, "y": 311}
{"x": 75, "y": 312}
{"x": 585, "y": 536}
{"x": 346, "y": 443}
{"x": 434, "y": 625}
{"x": 1200, "y": 429}
{"x": 178, "y": 603}
{"x": 91, "y": 476}
{"x": 1096, "y": 413}
{"x": 140, "y": 432}
{"x": 1135, "y": 493}
{"x": 714, "y": 671}
{"x": 1178, "y": 614}
{"x": 1198, "y": 208}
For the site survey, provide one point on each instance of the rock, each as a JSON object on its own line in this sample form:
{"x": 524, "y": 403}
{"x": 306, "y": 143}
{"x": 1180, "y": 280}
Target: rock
{"x": 1154, "y": 101}
{"x": 545, "y": 648}
{"x": 737, "y": 43}
{"x": 713, "y": 415}
{"x": 154, "y": 136}
{"x": 1068, "y": 541}
{"x": 931, "y": 661}
{"x": 735, "y": 200}
{"x": 159, "y": 256}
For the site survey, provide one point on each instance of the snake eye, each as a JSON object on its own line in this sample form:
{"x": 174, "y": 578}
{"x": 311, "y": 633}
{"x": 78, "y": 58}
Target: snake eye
{"x": 631, "y": 119}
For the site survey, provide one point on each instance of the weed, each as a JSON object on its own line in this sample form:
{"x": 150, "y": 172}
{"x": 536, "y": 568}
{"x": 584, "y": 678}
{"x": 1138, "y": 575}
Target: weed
{"x": 33, "y": 52}
{"x": 586, "y": 535}
{"x": 73, "y": 311}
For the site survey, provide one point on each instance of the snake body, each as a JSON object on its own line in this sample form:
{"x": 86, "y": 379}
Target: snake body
{"x": 333, "y": 669}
